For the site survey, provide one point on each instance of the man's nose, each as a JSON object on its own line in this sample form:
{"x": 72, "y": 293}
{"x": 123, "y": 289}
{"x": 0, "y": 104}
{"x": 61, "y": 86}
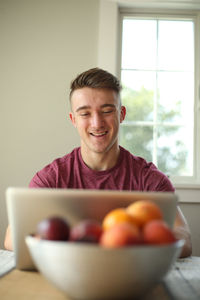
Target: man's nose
{"x": 97, "y": 120}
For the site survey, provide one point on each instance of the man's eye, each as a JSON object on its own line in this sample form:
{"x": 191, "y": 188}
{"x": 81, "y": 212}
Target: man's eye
{"x": 84, "y": 114}
{"x": 107, "y": 111}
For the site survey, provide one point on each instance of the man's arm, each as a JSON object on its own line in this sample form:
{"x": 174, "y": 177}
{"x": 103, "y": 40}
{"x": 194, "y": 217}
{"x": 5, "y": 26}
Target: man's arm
{"x": 8, "y": 241}
{"x": 182, "y": 231}
{"x": 181, "y": 228}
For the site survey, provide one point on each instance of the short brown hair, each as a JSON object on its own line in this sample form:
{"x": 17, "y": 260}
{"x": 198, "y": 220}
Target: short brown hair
{"x": 95, "y": 78}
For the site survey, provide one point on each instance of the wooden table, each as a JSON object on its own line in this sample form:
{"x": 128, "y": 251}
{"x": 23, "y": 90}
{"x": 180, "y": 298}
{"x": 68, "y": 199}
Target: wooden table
{"x": 181, "y": 283}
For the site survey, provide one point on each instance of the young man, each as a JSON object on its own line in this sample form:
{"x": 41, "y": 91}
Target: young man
{"x": 99, "y": 162}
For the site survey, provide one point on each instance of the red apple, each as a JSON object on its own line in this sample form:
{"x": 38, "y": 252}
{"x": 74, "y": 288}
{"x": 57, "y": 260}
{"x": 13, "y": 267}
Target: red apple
{"x": 54, "y": 228}
{"x": 86, "y": 231}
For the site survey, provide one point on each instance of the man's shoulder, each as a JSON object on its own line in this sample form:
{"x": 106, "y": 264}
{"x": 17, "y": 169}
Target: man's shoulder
{"x": 145, "y": 174}
{"x": 53, "y": 173}
{"x": 67, "y": 158}
{"x": 138, "y": 163}
{"x": 137, "y": 160}
{"x": 61, "y": 163}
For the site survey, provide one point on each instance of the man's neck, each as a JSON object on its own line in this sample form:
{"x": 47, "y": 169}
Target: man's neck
{"x": 100, "y": 161}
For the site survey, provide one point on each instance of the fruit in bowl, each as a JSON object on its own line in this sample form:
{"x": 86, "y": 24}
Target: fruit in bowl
{"x": 53, "y": 228}
{"x": 144, "y": 211}
{"x": 86, "y": 231}
{"x": 157, "y": 232}
{"x": 98, "y": 262}
{"x": 120, "y": 235}
{"x": 140, "y": 223}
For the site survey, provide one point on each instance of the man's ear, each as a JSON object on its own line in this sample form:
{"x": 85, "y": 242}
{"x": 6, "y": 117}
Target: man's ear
{"x": 122, "y": 113}
{"x": 72, "y": 118}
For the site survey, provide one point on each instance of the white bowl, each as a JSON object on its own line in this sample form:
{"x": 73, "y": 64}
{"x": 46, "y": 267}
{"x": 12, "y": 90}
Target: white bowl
{"x": 91, "y": 272}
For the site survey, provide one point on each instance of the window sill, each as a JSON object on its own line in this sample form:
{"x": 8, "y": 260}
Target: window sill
{"x": 188, "y": 193}
{"x": 187, "y": 186}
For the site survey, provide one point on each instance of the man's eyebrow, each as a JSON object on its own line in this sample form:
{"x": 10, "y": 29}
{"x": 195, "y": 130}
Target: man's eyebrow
{"x": 82, "y": 107}
{"x": 88, "y": 107}
{"x": 108, "y": 105}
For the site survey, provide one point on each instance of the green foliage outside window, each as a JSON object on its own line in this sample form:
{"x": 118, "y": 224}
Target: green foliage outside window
{"x": 145, "y": 131}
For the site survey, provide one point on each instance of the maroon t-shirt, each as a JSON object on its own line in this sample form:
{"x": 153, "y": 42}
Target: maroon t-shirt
{"x": 130, "y": 173}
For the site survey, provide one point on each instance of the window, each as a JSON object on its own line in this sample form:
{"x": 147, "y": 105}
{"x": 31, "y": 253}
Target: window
{"x": 159, "y": 79}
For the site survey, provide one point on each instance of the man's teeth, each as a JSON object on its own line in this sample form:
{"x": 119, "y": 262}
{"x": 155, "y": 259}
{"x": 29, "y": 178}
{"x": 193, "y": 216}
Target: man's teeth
{"x": 99, "y": 134}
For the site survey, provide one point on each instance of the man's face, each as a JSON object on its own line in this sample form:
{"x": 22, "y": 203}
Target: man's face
{"x": 96, "y": 113}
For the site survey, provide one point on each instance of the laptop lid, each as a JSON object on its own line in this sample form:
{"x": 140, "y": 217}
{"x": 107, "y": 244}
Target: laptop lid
{"x": 27, "y": 207}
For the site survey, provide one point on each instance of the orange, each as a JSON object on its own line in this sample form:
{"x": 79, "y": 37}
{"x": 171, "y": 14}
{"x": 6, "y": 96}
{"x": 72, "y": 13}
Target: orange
{"x": 115, "y": 216}
{"x": 144, "y": 211}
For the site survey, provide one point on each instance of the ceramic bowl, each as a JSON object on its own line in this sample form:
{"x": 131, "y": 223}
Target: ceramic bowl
{"x": 90, "y": 272}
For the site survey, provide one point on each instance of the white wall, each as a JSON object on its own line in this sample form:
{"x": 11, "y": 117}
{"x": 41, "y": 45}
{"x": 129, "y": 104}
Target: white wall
{"x": 44, "y": 45}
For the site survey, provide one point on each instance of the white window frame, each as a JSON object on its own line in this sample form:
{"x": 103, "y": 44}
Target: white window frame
{"x": 182, "y": 181}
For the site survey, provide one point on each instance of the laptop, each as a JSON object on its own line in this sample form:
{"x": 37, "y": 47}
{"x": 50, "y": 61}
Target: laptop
{"x": 27, "y": 207}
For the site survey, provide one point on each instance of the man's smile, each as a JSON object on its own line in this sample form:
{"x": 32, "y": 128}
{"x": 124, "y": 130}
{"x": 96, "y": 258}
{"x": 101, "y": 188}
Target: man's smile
{"x": 99, "y": 134}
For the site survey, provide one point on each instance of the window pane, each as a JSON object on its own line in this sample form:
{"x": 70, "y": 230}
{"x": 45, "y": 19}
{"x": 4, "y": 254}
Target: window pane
{"x": 175, "y": 103}
{"x": 174, "y": 150}
{"x": 138, "y": 140}
{"x": 138, "y": 36}
{"x": 138, "y": 94}
{"x": 175, "y": 45}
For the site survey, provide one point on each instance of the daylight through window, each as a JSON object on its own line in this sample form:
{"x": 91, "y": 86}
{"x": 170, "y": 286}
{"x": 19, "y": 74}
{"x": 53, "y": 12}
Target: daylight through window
{"x": 157, "y": 74}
